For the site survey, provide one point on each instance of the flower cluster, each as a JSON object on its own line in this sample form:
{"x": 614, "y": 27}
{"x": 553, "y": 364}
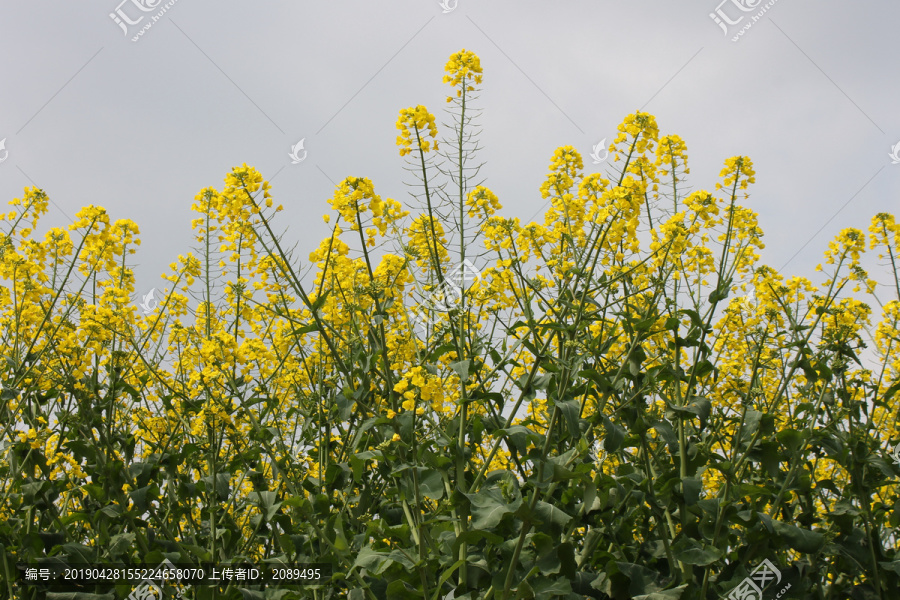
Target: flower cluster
{"x": 356, "y": 196}
{"x": 482, "y": 202}
{"x": 416, "y": 123}
{"x": 463, "y": 69}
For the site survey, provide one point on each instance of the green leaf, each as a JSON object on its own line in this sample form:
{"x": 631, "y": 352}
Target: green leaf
{"x": 694, "y": 316}
{"x": 400, "y": 556}
{"x": 751, "y": 424}
{"x": 79, "y": 553}
{"x": 790, "y": 438}
{"x": 401, "y": 590}
{"x": 556, "y": 559}
{"x": 698, "y": 406}
{"x": 549, "y": 563}
{"x": 891, "y": 391}
{"x": 691, "y": 552}
{"x": 641, "y": 578}
{"x": 523, "y": 591}
{"x": 668, "y": 434}
{"x": 590, "y": 495}
{"x": 748, "y": 489}
{"x": 673, "y": 594}
{"x": 374, "y": 562}
{"x": 431, "y": 484}
{"x": 73, "y": 517}
{"x": 222, "y": 486}
{"x": 490, "y": 508}
{"x": 471, "y": 536}
{"x": 319, "y": 301}
{"x": 79, "y": 596}
{"x": 35, "y": 490}
{"x": 521, "y": 437}
{"x": 357, "y": 466}
{"x": 545, "y": 587}
{"x": 571, "y": 411}
{"x": 448, "y": 573}
{"x": 615, "y": 435}
{"x": 143, "y": 496}
{"x": 691, "y": 487}
{"x": 721, "y": 292}
{"x": 801, "y": 540}
{"x": 550, "y": 514}
{"x": 702, "y": 369}
{"x": 120, "y": 543}
{"x": 811, "y": 374}
{"x": 461, "y": 368}
{"x": 266, "y": 501}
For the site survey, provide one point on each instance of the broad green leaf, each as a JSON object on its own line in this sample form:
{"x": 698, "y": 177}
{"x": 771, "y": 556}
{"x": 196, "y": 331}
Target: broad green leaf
{"x": 691, "y": 552}
{"x": 374, "y": 562}
{"x": 643, "y": 579}
{"x": 521, "y": 437}
{"x": 79, "y": 553}
{"x": 461, "y": 368}
{"x": 691, "y": 487}
{"x": 402, "y": 557}
{"x": 698, "y": 406}
{"x": 571, "y": 411}
{"x": 524, "y": 591}
{"x": 401, "y": 590}
{"x": 431, "y": 483}
{"x": 673, "y": 594}
{"x": 266, "y": 501}
{"x": 548, "y": 513}
{"x": 79, "y": 596}
{"x": 668, "y": 434}
{"x": 120, "y": 543}
{"x": 545, "y": 587}
{"x": 74, "y": 517}
{"x": 801, "y": 540}
{"x": 472, "y": 536}
{"x": 143, "y": 496}
{"x": 489, "y": 508}
{"x": 750, "y": 425}
{"x": 790, "y": 438}
{"x": 615, "y": 435}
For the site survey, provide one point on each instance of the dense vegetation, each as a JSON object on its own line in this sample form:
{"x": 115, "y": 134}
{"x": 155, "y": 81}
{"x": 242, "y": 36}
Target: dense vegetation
{"x": 617, "y": 402}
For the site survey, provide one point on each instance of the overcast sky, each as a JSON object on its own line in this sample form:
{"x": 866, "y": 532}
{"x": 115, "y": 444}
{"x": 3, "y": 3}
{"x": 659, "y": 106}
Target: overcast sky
{"x": 810, "y": 92}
